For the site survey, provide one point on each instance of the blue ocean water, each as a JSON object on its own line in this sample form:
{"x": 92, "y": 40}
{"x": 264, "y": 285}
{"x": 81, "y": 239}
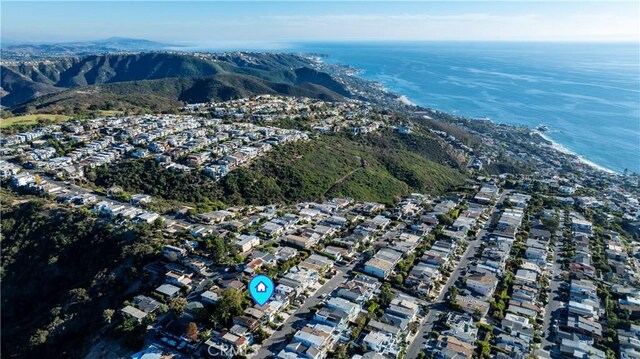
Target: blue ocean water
{"x": 587, "y": 94}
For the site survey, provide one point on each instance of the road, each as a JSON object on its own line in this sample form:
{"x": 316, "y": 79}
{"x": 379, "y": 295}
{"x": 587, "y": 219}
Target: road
{"x": 277, "y": 341}
{"x": 555, "y": 306}
{"x": 439, "y": 306}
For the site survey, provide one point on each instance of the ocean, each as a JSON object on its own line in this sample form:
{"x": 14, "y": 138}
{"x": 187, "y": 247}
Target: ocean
{"x": 587, "y": 94}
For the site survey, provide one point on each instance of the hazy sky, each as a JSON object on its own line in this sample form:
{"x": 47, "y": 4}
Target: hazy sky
{"x": 280, "y": 22}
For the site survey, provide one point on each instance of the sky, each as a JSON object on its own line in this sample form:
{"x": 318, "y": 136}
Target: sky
{"x": 211, "y": 23}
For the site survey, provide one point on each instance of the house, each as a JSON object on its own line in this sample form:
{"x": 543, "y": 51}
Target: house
{"x": 181, "y": 280}
{"x": 449, "y": 347}
{"x": 337, "y": 252}
{"x": 333, "y": 317}
{"x": 316, "y": 336}
{"x": 299, "y": 278}
{"x": 579, "y": 349}
{"x": 271, "y": 229}
{"x": 632, "y": 304}
{"x": 462, "y": 326}
{"x": 317, "y": 262}
{"x": 209, "y": 297}
{"x": 380, "y": 342}
{"x": 22, "y": 179}
{"x": 582, "y": 309}
{"x": 346, "y": 306}
{"x": 246, "y": 242}
{"x": 147, "y": 217}
{"x": 140, "y": 199}
{"x": 581, "y": 226}
{"x": 482, "y": 283}
{"x": 300, "y": 241}
{"x": 403, "y": 308}
{"x": 267, "y": 258}
{"x": 135, "y": 313}
{"x": 146, "y": 304}
{"x": 226, "y": 345}
{"x": 168, "y": 290}
{"x": 583, "y": 326}
{"x": 355, "y": 292}
{"x": 173, "y": 252}
{"x": 472, "y": 305}
{"x": 378, "y": 267}
{"x": 298, "y": 350}
{"x": 381, "y": 221}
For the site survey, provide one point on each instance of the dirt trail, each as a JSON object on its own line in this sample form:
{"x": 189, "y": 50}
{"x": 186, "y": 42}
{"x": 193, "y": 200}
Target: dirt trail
{"x": 363, "y": 164}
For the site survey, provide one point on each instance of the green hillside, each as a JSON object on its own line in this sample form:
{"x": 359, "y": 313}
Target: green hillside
{"x": 378, "y": 167}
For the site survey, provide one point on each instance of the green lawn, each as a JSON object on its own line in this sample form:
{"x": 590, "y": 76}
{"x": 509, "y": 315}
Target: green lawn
{"x": 109, "y": 112}
{"x": 29, "y": 119}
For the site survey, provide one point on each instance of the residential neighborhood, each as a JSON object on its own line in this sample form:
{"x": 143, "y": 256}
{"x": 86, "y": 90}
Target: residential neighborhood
{"x": 513, "y": 266}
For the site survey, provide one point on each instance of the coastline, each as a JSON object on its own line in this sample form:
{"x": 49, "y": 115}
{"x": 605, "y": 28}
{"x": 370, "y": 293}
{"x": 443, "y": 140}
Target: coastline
{"x": 404, "y": 100}
{"x": 560, "y": 148}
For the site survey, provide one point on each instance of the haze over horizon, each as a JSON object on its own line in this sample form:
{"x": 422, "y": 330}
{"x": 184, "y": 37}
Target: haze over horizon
{"x": 270, "y": 24}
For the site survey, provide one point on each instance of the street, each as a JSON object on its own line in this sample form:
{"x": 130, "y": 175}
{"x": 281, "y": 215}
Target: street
{"x": 555, "y": 305}
{"x": 277, "y": 341}
{"x": 439, "y": 306}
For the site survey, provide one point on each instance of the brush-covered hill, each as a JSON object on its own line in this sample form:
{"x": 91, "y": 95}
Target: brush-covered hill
{"x": 61, "y": 268}
{"x": 378, "y": 167}
{"x": 53, "y": 85}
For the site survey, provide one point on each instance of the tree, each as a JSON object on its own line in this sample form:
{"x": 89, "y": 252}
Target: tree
{"x": 260, "y": 335}
{"x": 551, "y": 223}
{"x": 39, "y": 337}
{"x": 229, "y": 305}
{"x": 453, "y": 293}
{"x": 107, "y": 314}
{"x": 158, "y": 223}
{"x": 386, "y": 295}
{"x": 413, "y": 327}
{"x": 219, "y": 250}
{"x": 445, "y": 219}
{"x": 177, "y": 305}
{"x": 192, "y": 331}
{"x": 484, "y": 349}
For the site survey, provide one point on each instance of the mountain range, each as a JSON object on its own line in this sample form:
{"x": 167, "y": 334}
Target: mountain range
{"x": 54, "y": 84}
{"x": 31, "y": 51}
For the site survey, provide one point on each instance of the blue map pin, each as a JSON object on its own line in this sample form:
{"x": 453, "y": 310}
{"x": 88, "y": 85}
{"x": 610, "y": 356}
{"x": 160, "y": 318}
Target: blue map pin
{"x": 261, "y": 289}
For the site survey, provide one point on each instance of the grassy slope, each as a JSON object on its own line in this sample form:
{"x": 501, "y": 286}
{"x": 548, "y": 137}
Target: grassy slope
{"x": 378, "y": 167}
{"x": 30, "y": 119}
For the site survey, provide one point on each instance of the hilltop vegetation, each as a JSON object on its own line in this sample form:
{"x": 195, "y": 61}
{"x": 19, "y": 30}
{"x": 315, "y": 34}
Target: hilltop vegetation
{"x": 74, "y": 84}
{"x": 60, "y": 269}
{"x": 26, "y": 120}
{"x": 377, "y": 167}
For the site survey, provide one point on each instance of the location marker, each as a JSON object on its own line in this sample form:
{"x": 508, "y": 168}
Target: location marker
{"x": 261, "y": 289}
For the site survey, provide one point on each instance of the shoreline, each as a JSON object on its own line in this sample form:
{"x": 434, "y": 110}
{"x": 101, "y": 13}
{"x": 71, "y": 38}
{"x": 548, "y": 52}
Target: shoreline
{"x": 553, "y": 144}
{"x": 560, "y": 148}
{"x": 403, "y": 99}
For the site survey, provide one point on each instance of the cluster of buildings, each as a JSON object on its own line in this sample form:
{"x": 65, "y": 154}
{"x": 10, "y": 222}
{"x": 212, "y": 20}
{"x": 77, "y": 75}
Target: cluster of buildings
{"x": 428, "y": 275}
{"x": 354, "y": 116}
{"x": 480, "y": 281}
{"x": 311, "y": 238}
{"x": 180, "y": 143}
